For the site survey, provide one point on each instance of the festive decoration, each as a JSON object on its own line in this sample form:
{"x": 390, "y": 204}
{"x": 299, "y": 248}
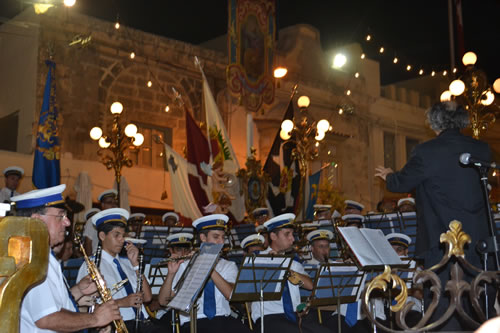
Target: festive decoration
{"x": 254, "y": 183}
{"x": 251, "y": 34}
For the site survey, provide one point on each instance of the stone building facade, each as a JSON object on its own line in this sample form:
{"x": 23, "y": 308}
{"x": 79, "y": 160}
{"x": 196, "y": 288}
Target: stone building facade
{"x": 92, "y": 74}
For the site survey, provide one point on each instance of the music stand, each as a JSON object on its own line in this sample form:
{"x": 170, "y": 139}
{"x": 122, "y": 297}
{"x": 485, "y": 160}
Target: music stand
{"x": 336, "y": 284}
{"x": 190, "y": 286}
{"x": 261, "y": 277}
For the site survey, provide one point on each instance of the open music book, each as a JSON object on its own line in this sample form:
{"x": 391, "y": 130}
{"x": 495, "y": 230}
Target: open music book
{"x": 370, "y": 247}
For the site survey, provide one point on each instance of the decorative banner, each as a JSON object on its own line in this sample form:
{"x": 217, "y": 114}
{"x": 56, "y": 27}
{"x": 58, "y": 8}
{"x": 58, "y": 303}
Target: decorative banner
{"x": 251, "y": 36}
{"x": 46, "y": 164}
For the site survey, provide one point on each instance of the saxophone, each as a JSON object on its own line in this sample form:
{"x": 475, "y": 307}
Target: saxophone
{"x": 104, "y": 292}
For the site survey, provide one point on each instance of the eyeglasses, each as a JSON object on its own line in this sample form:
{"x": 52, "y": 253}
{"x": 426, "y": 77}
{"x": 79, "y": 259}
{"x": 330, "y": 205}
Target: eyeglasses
{"x": 59, "y": 217}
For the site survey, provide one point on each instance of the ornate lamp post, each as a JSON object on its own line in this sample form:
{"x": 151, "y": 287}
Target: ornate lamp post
{"x": 113, "y": 147}
{"x": 473, "y": 91}
{"x": 306, "y": 134}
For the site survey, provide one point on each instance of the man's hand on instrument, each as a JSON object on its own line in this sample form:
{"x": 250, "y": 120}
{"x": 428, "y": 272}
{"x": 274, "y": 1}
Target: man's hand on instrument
{"x": 106, "y": 313}
{"x": 85, "y": 287}
{"x": 132, "y": 300}
{"x": 132, "y": 253}
{"x": 107, "y": 329}
{"x": 86, "y": 300}
{"x": 382, "y": 172}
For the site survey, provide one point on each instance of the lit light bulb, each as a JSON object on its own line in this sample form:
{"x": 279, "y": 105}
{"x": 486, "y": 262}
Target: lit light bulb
{"x": 323, "y": 125}
{"x": 138, "y": 139}
{"x": 348, "y": 92}
{"x": 69, "y": 3}
{"x": 408, "y": 68}
{"x": 103, "y": 143}
{"x": 339, "y": 60}
{"x": 287, "y": 125}
{"x": 420, "y": 72}
{"x": 95, "y": 133}
{"x": 316, "y": 144}
{"x": 488, "y": 98}
{"x": 341, "y": 111}
{"x": 457, "y": 87}
{"x": 116, "y": 108}
{"x": 381, "y": 50}
{"x": 368, "y": 38}
{"x": 303, "y": 102}
{"x": 395, "y": 60}
{"x": 363, "y": 55}
{"x": 149, "y": 84}
{"x": 445, "y": 96}
{"x": 445, "y": 73}
{"x": 319, "y": 136}
{"x": 356, "y": 75}
{"x": 454, "y": 70}
{"x": 130, "y": 130}
{"x": 167, "y": 108}
{"x": 280, "y": 72}
{"x": 132, "y": 55}
{"x": 469, "y": 58}
{"x": 494, "y": 173}
{"x": 496, "y": 86}
{"x": 433, "y": 73}
{"x": 117, "y": 25}
{"x": 285, "y": 135}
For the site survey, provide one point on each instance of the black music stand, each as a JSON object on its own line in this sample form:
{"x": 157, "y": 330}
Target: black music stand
{"x": 193, "y": 280}
{"x": 261, "y": 277}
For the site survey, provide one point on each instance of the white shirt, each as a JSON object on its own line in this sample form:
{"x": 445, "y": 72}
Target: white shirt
{"x": 228, "y": 271}
{"x": 46, "y": 298}
{"x": 111, "y": 276}
{"x": 276, "y": 307}
{"x": 90, "y": 232}
{"x": 6, "y": 194}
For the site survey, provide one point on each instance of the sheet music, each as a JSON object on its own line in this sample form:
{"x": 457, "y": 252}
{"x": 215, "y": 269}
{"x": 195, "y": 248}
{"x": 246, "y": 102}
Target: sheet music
{"x": 370, "y": 246}
{"x": 194, "y": 279}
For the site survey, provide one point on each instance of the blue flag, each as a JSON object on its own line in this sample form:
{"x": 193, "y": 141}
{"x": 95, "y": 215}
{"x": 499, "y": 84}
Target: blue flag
{"x": 312, "y": 195}
{"x": 46, "y": 164}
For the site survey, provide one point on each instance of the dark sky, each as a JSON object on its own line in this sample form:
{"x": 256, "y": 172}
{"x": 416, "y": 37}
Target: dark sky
{"x": 415, "y": 31}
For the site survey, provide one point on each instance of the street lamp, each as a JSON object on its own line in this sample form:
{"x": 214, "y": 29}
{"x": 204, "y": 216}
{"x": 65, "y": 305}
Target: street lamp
{"x": 473, "y": 91}
{"x": 112, "y": 147}
{"x": 306, "y": 135}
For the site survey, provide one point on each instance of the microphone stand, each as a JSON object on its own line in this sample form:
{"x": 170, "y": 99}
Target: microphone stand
{"x": 490, "y": 244}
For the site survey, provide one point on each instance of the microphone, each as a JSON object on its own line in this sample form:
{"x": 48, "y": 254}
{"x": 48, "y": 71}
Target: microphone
{"x": 467, "y": 159}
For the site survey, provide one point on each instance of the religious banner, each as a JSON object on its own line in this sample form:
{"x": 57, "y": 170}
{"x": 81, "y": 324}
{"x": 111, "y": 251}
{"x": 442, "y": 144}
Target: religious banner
{"x": 46, "y": 163}
{"x": 251, "y": 40}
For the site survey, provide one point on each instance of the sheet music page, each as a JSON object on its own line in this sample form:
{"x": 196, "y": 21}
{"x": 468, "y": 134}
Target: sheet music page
{"x": 381, "y": 246}
{"x": 364, "y": 251}
{"x": 196, "y": 276}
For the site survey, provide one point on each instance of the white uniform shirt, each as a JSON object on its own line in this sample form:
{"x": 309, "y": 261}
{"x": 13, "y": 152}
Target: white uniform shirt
{"x": 111, "y": 276}
{"x": 46, "y": 298}
{"x": 276, "y": 307}
{"x": 228, "y": 271}
{"x": 90, "y": 232}
{"x": 6, "y": 194}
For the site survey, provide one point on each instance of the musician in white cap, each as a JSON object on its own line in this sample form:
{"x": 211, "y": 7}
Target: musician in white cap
{"x": 353, "y": 207}
{"x": 135, "y": 222}
{"x": 260, "y": 215}
{"x": 281, "y": 314}
{"x": 180, "y": 244}
{"x": 107, "y": 199}
{"x": 252, "y": 243}
{"x": 214, "y": 313}
{"x": 111, "y": 225}
{"x": 170, "y": 219}
{"x": 353, "y": 220}
{"x": 90, "y": 239}
{"x": 13, "y": 175}
{"x": 406, "y": 204}
{"x": 51, "y": 306}
{"x": 319, "y": 242}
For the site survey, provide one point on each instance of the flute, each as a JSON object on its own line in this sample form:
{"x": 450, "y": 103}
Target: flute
{"x": 138, "y": 290}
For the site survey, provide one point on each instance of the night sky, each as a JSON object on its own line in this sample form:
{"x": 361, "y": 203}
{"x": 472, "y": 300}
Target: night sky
{"x": 415, "y": 31}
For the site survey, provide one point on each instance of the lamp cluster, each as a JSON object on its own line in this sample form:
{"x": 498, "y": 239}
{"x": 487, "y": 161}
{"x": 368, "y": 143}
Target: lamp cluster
{"x": 474, "y": 92}
{"x": 130, "y": 130}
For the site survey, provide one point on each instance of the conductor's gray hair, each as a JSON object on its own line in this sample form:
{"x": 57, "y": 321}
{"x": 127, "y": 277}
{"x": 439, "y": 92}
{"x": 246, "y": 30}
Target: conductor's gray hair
{"x": 446, "y": 115}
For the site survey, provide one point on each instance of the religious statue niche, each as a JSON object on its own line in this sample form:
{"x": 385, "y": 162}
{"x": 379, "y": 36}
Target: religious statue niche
{"x": 251, "y": 40}
{"x": 253, "y": 183}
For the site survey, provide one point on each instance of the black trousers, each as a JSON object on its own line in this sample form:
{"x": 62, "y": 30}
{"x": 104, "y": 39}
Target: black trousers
{"x": 145, "y": 326}
{"x": 219, "y": 324}
{"x": 277, "y": 323}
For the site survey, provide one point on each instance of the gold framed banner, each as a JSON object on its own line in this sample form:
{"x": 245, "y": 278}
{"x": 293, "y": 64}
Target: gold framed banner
{"x": 251, "y": 41}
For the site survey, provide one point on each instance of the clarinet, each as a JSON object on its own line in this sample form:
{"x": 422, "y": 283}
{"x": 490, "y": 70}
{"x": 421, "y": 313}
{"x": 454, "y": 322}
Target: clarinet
{"x": 97, "y": 263}
{"x": 138, "y": 290}
{"x": 101, "y": 286}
